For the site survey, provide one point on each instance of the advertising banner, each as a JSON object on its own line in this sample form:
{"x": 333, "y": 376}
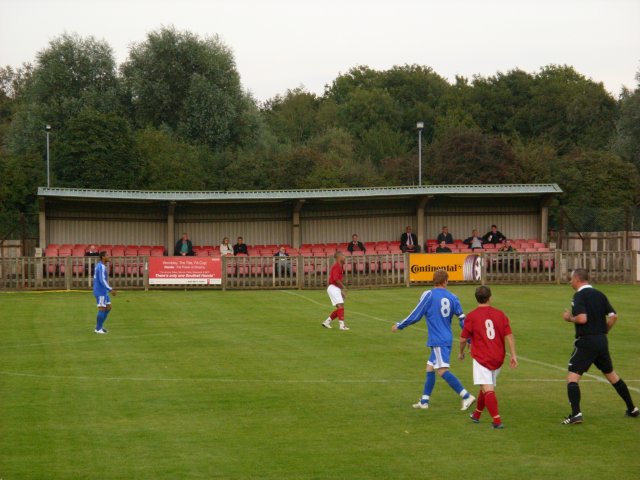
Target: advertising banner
{"x": 462, "y": 267}
{"x": 185, "y": 271}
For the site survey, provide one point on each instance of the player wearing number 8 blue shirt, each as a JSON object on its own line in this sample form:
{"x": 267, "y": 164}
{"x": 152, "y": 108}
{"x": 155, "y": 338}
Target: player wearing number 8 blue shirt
{"x": 438, "y": 306}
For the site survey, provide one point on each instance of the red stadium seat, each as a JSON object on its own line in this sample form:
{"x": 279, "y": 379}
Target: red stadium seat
{"x": 157, "y": 252}
{"x": 131, "y": 251}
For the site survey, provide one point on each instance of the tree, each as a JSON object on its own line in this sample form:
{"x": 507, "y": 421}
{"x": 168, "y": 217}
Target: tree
{"x": 96, "y": 151}
{"x": 600, "y": 189}
{"x": 463, "y": 156}
{"x": 71, "y": 74}
{"x": 627, "y": 141}
{"x": 187, "y": 83}
{"x": 292, "y": 116}
{"x": 167, "y": 163}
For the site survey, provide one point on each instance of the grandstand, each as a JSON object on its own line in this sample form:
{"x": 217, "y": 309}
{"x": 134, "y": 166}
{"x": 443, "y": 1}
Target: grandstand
{"x": 309, "y": 222}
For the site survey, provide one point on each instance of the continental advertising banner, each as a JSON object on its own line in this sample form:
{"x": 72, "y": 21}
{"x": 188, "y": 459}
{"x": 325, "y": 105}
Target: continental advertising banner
{"x": 185, "y": 271}
{"x": 462, "y": 267}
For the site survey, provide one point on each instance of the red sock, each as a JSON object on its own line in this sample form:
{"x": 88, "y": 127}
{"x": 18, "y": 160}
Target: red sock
{"x": 491, "y": 401}
{"x": 334, "y": 314}
{"x": 341, "y": 313}
{"x": 479, "y": 405}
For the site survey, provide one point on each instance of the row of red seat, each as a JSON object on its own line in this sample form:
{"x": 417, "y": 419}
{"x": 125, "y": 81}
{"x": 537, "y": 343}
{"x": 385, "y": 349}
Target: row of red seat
{"x": 373, "y": 248}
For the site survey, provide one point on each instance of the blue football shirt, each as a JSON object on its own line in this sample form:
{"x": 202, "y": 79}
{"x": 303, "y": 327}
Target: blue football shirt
{"x": 438, "y": 306}
{"x": 100, "y": 283}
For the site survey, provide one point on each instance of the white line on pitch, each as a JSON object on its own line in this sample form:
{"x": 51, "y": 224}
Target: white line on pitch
{"x": 254, "y": 380}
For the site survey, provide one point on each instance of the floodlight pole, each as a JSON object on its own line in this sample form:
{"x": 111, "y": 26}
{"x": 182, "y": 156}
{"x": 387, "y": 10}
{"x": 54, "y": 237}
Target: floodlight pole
{"x": 47, "y": 129}
{"x": 420, "y": 126}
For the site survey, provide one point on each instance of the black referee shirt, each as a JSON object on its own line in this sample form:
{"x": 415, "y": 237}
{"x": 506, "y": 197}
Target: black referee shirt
{"x": 596, "y": 306}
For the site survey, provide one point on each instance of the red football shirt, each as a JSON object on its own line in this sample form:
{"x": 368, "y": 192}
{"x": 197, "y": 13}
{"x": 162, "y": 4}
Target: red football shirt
{"x": 335, "y": 274}
{"x": 487, "y": 327}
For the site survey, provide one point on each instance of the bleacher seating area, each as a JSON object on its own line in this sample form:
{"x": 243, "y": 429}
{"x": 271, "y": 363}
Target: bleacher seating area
{"x": 521, "y": 245}
{"x": 305, "y": 250}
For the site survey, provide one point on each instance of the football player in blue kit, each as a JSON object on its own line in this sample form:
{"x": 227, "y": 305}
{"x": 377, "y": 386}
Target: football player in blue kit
{"x": 438, "y": 306}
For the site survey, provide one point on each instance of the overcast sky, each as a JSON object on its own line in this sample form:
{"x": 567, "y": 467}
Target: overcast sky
{"x": 286, "y": 43}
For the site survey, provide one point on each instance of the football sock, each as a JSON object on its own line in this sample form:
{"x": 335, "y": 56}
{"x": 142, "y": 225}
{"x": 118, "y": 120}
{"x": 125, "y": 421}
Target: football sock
{"x": 479, "y": 405}
{"x": 333, "y": 315}
{"x": 623, "y": 391}
{"x": 429, "y": 383}
{"x": 454, "y": 383}
{"x": 100, "y": 320}
{"x": 573, "y": 391}
{"x": 491, "y": 401}
{"x": 340, "y": 312}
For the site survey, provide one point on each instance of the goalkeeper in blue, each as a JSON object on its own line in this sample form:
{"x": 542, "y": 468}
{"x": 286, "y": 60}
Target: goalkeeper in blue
{"x": 101, "y": 290}
{"x": 438, "y": 306}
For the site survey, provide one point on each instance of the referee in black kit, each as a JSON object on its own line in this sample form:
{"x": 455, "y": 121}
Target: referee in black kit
{"x": 594, "y": 317}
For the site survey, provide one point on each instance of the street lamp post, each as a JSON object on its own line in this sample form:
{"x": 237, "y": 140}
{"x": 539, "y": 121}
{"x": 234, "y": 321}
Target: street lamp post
{"x": 47, "y": 129}
{"x": 420, "y": 126}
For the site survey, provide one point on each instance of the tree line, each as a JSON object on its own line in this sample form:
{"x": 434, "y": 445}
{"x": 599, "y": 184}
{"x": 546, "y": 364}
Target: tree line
{"x": 175, "y": 116}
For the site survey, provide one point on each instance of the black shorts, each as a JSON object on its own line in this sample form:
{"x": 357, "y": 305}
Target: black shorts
{"x": 591, "y": 349}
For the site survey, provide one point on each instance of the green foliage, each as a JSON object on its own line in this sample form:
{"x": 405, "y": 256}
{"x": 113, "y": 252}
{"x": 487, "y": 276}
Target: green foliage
{"x": 167, "y": 163}
{"x": 600, "y": 189}
{"x": 468, "y": 156}
{"x": 627, "y": 142}
{"x": 96, "y": 150}
{"x": 174, "y": 115}
{"x": 189, "y": 84}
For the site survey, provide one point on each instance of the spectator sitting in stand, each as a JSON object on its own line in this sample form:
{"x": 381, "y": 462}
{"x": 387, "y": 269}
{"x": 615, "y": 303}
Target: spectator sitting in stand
{"x": 356, "y": 245}
{"x": 442, "y": 248}
{"x": 409, "y": 242}
{"x": 474, "y": 241}
{"x": 283, "y": 262}
{"x": 184, "y": 247}
{"x": 494, "y": 236}
{"x": 507, "y": 247}
{"x": 445, "y": 236}
{"x": 92, "y": 251}
{"x": 240, "y": 247}
{"x": 225, "y": 247}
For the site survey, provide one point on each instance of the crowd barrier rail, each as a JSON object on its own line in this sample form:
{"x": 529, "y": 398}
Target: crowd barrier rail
{"x": 311, "y": 272}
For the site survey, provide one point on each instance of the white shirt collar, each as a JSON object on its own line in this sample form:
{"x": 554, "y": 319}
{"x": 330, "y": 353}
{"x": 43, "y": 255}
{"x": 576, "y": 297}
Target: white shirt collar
{"x": 583, "y": 287}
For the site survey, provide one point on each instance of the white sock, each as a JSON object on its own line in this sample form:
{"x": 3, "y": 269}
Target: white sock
{"x": 328, "y": 320}
{"x": 463, "y": 393}
{"x": 341, "y": 323}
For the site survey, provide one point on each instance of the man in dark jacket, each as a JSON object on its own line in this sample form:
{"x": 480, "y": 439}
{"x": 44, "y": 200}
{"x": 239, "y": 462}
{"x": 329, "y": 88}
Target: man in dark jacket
{"x": 184, "y": 247}
{"x": 240, "y": 247}
{"x": 356, "y": 245}
{"x": 409, "y": 242}
{"x": 442, "y": 248}
{"x": 494, "y": 236}
{"x": 445, "y": 236}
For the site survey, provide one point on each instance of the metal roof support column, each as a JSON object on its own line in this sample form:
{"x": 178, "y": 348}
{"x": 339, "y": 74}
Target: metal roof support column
{"x": 420, "y": 223}
{"x": 295, "y": 223}
{"x": 171, "y": 227}
{"x": 544, "y": 218}
{"x": 42, "y": 223}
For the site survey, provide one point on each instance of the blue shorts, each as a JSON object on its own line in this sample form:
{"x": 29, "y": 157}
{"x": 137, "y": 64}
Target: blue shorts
{"x": 103, "y": 300}
{"x": 439, "y": 357}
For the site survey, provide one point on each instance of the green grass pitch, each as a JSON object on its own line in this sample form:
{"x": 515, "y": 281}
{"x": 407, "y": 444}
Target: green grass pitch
{"x": 244, "y": 385}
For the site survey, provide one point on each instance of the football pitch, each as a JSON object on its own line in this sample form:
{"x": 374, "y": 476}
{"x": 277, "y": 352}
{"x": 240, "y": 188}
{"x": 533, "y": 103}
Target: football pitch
{"x": 244, "y": 385}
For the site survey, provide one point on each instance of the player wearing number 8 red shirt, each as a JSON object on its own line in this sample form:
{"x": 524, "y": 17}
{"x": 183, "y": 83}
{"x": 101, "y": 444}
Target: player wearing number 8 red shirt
{"x": 487, "y": 328}
{"x": 336, "y": 292}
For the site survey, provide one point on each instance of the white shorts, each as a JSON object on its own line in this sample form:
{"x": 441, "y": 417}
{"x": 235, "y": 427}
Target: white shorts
{"x": 440, "y": 357}
{"x": 484, "y": 376}
{"x": 335, "y": 294}
{"x": 103, "y": 300}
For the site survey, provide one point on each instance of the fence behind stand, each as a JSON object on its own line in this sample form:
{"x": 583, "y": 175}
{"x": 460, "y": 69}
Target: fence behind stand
{"x": 309, "y": 272}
